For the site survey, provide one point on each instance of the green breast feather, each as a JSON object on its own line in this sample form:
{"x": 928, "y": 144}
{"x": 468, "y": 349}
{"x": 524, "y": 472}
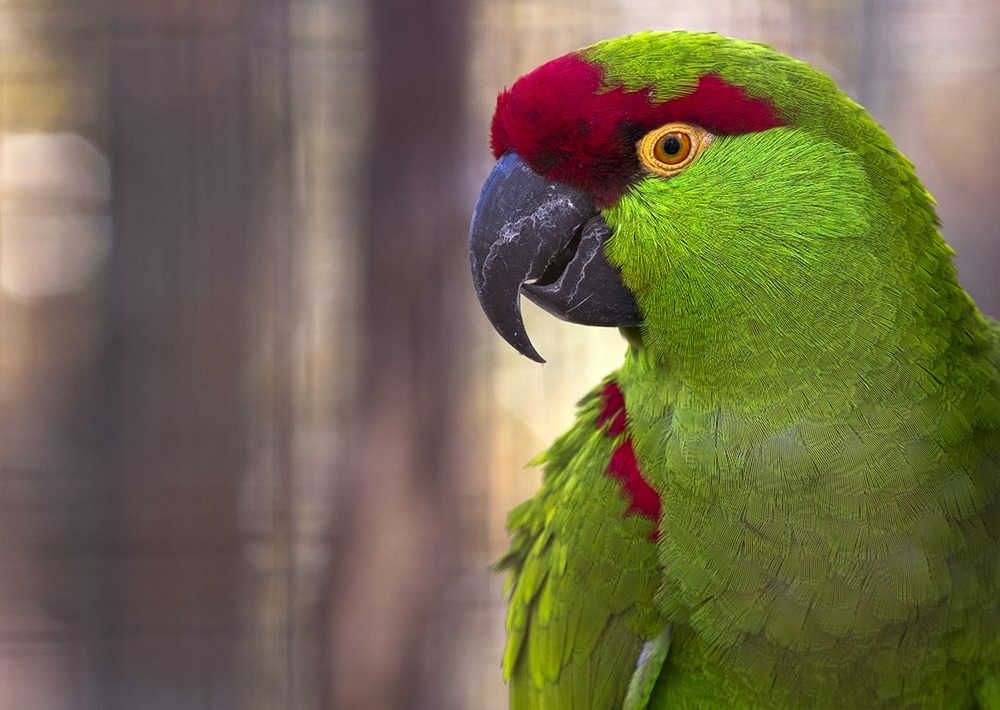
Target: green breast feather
{"x": 583, "y": 573}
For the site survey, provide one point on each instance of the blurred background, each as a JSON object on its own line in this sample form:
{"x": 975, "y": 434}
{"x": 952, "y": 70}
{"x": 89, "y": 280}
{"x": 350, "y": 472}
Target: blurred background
{"x": 257, "y": 442}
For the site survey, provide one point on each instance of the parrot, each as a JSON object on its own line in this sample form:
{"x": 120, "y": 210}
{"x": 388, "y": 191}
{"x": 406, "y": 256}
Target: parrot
{"x": 788, "y": 494}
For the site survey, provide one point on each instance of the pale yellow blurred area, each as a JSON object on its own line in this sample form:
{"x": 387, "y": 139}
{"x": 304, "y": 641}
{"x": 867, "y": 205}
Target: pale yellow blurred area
{"x": 210, "y": 494}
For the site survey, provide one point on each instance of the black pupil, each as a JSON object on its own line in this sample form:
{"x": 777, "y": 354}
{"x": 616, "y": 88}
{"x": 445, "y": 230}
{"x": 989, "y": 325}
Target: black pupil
{"x": 671, "y": 145}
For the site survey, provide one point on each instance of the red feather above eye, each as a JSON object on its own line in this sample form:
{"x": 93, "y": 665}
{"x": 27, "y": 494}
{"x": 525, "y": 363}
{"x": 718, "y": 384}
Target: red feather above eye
{"x": 568, "y": 125}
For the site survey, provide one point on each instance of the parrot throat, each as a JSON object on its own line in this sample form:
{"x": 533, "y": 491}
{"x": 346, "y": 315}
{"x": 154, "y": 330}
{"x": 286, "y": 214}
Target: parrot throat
{"x": 643, "y": 498}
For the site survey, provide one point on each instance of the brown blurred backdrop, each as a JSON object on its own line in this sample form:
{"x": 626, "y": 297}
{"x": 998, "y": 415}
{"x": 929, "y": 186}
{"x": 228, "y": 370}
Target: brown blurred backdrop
{"x": 258, "y": 443}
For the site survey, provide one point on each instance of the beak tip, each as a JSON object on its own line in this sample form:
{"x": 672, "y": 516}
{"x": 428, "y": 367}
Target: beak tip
{"x": 533, "y": 355}
{"x": 519, "y": 341}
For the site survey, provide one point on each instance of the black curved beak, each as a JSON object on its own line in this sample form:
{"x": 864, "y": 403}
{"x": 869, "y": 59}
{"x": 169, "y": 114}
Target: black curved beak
{"x": 548, "y": 239}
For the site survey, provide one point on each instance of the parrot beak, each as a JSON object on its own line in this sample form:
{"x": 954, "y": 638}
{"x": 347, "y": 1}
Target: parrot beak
{"x": 547, "y": 239}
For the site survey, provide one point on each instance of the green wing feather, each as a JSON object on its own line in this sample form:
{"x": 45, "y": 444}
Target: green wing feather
{"x": 582, "y": 576}
{"x": 988, "y": 697}
{"x": 648, "y": 671}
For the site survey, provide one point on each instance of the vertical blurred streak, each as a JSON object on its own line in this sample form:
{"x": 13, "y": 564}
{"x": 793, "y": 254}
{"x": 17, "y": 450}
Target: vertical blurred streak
{"x": 179, "y": 353}
{"x": 874, "y": 74}
{"x": 397, "y": 548}
{"x": 268, "y": 680}
{"x": 53, "y": 452}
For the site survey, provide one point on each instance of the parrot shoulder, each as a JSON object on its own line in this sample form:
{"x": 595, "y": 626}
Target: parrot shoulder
{"x": 582, "y": 573}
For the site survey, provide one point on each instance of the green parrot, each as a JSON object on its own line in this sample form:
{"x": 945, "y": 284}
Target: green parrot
{"x": 788, "y": 496}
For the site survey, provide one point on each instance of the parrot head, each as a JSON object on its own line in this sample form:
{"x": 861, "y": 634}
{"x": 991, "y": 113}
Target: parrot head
{"x": 712, "y": 197}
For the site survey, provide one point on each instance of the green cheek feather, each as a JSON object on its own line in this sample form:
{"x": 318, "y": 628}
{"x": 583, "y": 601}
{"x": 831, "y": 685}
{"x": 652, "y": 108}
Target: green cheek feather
{"x": 763, "y": 248}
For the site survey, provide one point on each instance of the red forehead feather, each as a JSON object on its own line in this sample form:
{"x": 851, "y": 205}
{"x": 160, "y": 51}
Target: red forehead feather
{"x": 570, "y": 126}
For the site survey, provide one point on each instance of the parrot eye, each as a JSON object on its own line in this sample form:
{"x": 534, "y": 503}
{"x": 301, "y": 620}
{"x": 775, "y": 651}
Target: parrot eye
{"x": 669, "y": 149}
{"x": 673, "y": 148}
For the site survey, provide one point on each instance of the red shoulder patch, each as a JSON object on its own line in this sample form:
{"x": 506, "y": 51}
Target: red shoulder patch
{"x": 612, "y": 409}
{"x": 643, "y": 498}
{"x": 569, "y": 125}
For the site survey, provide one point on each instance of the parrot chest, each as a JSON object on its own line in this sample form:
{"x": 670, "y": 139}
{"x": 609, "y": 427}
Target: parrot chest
{"x": 817, "y": 561}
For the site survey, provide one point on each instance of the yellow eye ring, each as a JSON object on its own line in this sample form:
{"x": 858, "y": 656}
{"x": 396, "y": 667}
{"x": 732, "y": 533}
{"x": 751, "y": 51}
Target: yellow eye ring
{"x": 669, "y": 149}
